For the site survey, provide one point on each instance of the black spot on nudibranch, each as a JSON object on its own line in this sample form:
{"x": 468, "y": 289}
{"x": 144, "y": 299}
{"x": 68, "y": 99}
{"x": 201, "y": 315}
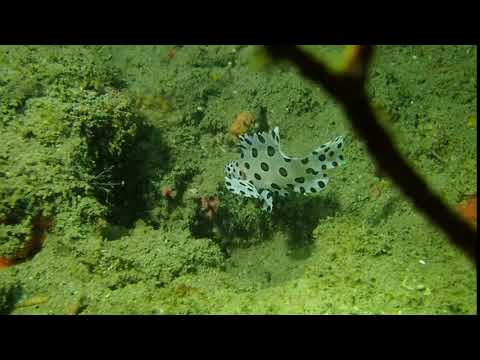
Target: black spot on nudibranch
{"x": 264, "y": 166}
{"x": 270, "y": 150}
{"x": 340, "y": 157}
{"x": 331, "y": 153}
{"x": 324, "y": 167}
{"x": 242, "y": 192}
{"x": 283, "y": 172}
{"x": 274, "y": 135}
{"x": 228, "y": 183}
{"x": 300, "y": 179}
{"x": 269, "y": 195}
{"x": 326, "y": 150}
{"x": 254, "y": 152}
{"x": 302, "y": 189}
{"x": 321, "y": 157}
{"x": 247, "y": 165}
{"x": 334, "y": 163}
{"x": 290, "y": 186}
{"x": 313, "y": 190}
{"x": 248, "y": 141}
{"x": 261, "y": 138}
{"x": 257, "y": 176}
{"x": 287, "y": 159}
{"x": 339, "y": 145}
{"x": 275, "y": 186}
{"x": 321, "y": 184}
{"x": 304, "y": 161}
{"x": 311, "y": 171}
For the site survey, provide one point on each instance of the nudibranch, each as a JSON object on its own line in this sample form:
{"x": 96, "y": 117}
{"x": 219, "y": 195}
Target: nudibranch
{"x": 263, "y": 169}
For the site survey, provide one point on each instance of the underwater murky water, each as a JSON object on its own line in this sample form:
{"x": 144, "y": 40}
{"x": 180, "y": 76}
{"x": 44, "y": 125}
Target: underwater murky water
{"x": 207, "y": 180}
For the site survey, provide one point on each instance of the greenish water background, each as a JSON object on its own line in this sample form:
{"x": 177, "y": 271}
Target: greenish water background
{"x": 91, "y": 135}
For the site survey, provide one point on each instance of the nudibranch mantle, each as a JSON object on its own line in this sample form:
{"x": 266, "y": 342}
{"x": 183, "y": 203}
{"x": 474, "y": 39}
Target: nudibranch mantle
{"x": 264, "y": 169}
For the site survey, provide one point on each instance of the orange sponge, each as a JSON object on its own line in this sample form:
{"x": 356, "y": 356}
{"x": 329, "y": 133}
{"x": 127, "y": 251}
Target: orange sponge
{"x": 468, "y": 210}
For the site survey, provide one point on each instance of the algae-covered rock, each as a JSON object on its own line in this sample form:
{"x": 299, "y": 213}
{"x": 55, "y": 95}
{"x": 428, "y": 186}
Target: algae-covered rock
{"x": 155, "y": 256}
{"x": 67, "y": 134}
{"x": 8, "y": 293}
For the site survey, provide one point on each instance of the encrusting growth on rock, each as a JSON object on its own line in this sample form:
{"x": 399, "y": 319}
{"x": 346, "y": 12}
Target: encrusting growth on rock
{"x": 209, "y": 204}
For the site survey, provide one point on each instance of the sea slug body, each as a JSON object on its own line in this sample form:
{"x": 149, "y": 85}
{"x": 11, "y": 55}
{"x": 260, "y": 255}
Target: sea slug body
{"x": 263, "y": 169}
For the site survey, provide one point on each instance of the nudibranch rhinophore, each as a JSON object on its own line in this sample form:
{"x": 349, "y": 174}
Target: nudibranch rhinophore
{"x": 264, "y": 169}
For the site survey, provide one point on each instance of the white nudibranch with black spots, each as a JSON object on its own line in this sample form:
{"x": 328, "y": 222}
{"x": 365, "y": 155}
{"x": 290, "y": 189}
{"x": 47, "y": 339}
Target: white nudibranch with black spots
{"x": 264, "y": 169}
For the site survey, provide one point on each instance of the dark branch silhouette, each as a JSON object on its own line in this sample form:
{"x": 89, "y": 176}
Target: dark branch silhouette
{"x": 348, "y": 88}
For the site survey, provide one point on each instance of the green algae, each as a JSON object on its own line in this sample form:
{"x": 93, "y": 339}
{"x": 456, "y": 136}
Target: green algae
{"x": 162, "y": 120}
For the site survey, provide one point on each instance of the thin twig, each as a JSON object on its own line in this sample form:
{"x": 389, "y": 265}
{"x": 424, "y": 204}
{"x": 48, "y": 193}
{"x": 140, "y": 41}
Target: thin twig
{"x": 348, "y": 87}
